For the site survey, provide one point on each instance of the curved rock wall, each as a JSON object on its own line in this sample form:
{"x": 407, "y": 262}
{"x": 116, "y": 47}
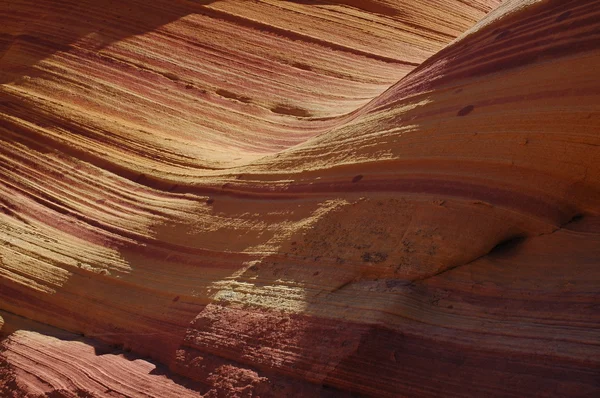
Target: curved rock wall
{"x": 231, "y": 189}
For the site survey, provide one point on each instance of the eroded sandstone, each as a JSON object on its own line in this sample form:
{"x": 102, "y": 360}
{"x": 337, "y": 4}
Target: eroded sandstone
{"x": 257, "y": 210}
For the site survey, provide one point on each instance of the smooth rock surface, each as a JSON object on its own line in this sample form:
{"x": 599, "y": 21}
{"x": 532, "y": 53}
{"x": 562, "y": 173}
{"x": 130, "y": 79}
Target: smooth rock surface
{"x": 232, "y": 189}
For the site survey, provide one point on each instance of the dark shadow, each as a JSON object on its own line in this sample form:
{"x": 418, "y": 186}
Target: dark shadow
{"x": 17, "y": 323}
{"x": 507, "y": 247}
{"x": 32, "y": 31}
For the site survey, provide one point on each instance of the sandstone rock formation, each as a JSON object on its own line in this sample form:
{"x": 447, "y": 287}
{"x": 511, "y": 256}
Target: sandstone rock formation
{"x": 299, "y": 198}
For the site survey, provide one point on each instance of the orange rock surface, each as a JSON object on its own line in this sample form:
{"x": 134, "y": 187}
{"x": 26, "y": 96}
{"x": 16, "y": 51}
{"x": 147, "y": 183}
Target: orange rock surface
{"x": 299, "y": 198}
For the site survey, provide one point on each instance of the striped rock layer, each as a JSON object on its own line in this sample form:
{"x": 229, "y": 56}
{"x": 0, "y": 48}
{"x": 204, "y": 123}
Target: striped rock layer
{"x": 299, "y": 198}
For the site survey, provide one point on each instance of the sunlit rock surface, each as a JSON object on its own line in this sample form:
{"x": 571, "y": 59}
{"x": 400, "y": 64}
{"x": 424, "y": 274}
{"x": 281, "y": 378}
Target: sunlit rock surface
{"x": 299, "y": 198}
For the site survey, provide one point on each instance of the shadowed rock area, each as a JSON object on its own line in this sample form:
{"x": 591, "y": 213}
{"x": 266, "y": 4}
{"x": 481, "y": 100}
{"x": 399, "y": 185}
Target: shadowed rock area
{"x": 299, "y": 198}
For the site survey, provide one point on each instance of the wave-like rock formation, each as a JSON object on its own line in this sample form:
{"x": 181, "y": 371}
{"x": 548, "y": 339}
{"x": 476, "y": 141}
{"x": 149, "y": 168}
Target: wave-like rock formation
{"x": 299, "y": 198}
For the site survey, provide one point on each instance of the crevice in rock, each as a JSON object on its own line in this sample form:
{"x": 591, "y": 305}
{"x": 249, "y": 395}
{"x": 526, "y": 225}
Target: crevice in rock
{"x": 576, "y": 218}
{"x": 506, "y": 247}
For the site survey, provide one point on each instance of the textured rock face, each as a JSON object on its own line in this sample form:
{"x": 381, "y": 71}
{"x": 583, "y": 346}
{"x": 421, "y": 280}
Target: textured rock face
{"x": 233, "y": 190}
